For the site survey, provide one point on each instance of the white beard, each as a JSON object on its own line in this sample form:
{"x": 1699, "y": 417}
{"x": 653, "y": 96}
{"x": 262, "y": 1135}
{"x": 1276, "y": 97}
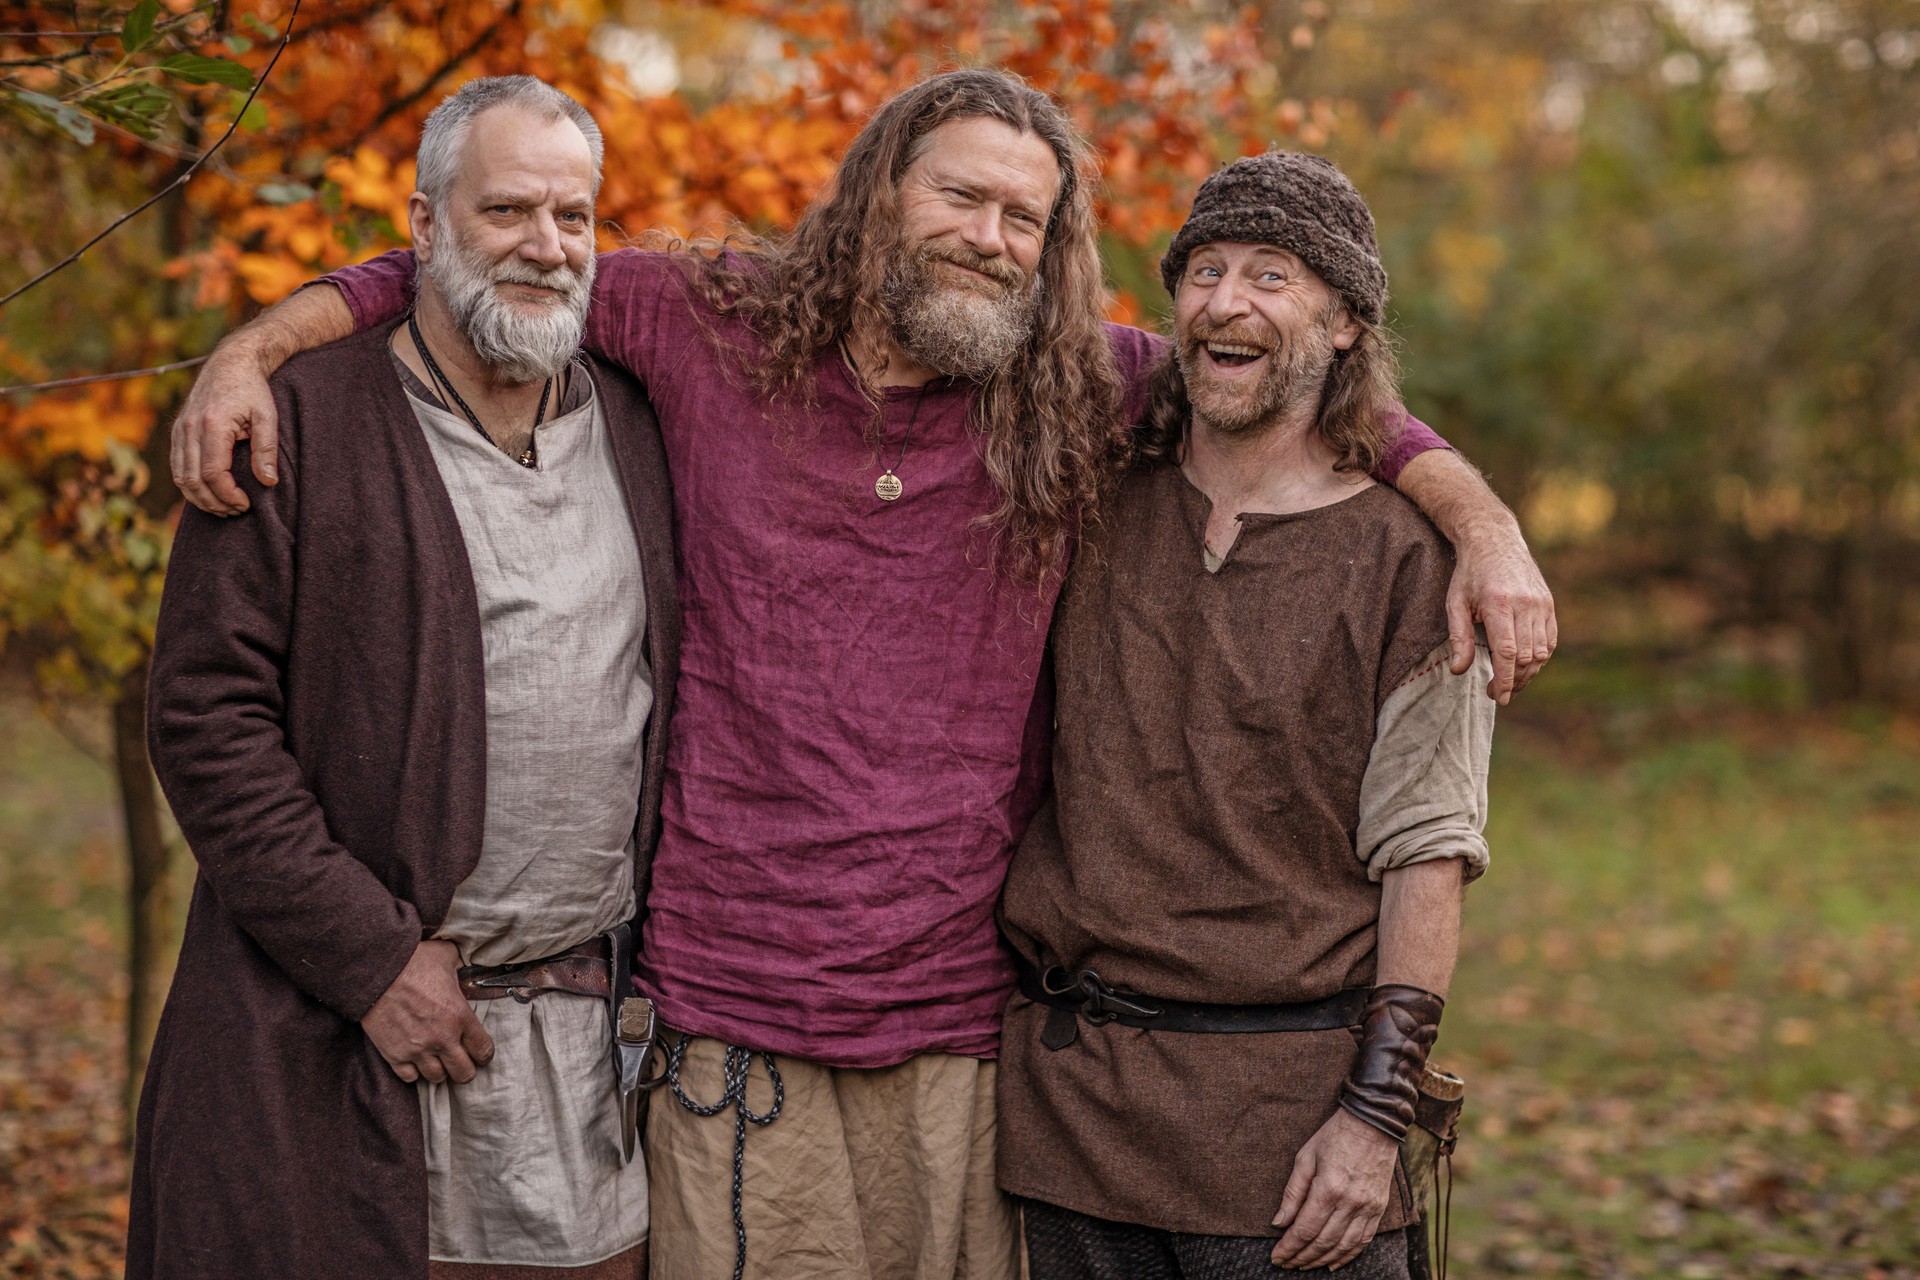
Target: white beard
{"x": 523, "y": 344}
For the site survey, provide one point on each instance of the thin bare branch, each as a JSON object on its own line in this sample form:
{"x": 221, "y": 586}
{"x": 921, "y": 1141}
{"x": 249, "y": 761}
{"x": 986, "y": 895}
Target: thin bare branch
{"x": 186, "y": 174}
{"x": 122, "y": 376}
{"x": 47, "y": 60}
{"x": 407, "y": 100}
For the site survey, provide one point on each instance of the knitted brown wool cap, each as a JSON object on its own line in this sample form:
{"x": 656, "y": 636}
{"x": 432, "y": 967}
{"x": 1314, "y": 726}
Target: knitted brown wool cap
{"x": 1301, "y": 203}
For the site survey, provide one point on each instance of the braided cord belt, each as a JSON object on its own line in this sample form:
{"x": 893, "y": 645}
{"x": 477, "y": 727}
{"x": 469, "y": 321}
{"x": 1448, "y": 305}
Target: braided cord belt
{"x": 734, "y": 1093}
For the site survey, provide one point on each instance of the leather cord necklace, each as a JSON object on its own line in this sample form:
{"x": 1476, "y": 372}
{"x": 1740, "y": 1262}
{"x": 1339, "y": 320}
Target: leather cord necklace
{"x": 888, "y": 487}
{"x": 528, "y": 457}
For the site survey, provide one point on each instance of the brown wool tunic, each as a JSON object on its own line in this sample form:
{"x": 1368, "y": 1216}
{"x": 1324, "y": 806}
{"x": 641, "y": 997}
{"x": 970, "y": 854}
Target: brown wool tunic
{"x": 318, "y": 721}
{"x": 1212, "y": 733}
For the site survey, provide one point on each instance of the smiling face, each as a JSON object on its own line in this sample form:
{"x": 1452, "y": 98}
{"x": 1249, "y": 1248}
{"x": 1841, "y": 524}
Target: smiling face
{"x": 1255, "y": 330}
{"x": 975, "y": 203}
{"x": 510, "y": 249}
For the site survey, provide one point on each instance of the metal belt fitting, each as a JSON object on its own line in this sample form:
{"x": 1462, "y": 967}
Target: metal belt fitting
{"x": 1069, "y": 997}
{"x": 1099, "y": 1004}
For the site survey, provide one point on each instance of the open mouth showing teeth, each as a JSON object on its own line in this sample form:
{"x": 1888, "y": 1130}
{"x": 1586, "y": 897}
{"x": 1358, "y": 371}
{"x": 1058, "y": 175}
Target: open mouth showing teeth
{"x": 1233, "y": 355}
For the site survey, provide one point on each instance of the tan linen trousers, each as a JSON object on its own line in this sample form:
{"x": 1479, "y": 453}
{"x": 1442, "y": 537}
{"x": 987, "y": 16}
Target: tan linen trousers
{"x": 881, "y": 1174}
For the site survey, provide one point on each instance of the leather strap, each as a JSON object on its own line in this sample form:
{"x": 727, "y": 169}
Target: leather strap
{"x": 1084, "y": 995}
{"x": 1397, "y": 1032}
{"x": 581, "y": 971}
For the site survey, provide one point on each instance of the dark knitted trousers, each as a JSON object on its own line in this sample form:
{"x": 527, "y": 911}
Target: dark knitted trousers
{"x": 1064, "y": 1245}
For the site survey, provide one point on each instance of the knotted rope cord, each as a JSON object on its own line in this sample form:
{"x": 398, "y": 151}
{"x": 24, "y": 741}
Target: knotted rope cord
{"x": 734, "y": 1085}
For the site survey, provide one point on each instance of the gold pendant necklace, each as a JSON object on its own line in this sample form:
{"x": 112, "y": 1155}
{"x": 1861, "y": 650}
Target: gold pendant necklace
{"x": 888, "y": 487}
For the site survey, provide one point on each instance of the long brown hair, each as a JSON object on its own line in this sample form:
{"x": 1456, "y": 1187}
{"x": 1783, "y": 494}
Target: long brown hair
{"x": 1360, "y": 409}
{"x": 1050, "y": 421}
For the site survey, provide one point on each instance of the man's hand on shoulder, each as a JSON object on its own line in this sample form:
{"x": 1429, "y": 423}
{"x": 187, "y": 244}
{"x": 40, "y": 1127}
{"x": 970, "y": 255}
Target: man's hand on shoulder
{"x": 231, "y": 400}
{"x": 1497, "y": 584}
{"x": 1495, "y": 581}
{"x": 1341, "y": 1182}
{"x": 423, "y": 1026}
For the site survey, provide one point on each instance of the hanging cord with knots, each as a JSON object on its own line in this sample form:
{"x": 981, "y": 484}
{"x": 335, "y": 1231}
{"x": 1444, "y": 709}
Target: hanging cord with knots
{"x": 734, "y": 1084}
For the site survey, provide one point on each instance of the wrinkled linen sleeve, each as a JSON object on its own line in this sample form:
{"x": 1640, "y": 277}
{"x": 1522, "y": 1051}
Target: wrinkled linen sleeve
{"x": 216, "y": 731}
{"x": 376, "y": 290}
{"x": 1424, "y": 795}
{"x": 1415, "y": 438}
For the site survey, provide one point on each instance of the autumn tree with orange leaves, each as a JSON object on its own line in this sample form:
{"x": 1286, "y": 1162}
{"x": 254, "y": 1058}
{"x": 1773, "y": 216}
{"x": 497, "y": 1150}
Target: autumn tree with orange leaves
{"x": 102, "y": 107}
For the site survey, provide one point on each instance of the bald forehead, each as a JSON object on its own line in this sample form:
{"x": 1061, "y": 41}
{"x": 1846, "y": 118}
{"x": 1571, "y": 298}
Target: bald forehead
{"x": 510, "y": 150}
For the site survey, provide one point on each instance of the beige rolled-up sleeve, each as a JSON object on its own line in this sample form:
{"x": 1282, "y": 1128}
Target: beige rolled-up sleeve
{"x": 1424, "y": 795}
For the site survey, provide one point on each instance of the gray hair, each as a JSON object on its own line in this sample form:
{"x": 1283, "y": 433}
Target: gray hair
{"x": 444, "y": 133}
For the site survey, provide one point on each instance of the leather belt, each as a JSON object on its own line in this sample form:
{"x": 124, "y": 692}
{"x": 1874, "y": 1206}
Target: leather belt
{"x": 602, "y": 968}
{"x": 1071, "y": 997}
{"x": 583, "y": 971}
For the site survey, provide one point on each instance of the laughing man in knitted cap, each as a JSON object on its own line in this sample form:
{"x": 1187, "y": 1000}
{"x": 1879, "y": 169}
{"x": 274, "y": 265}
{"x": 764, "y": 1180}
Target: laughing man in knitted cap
{"x": 1239, "y": 911}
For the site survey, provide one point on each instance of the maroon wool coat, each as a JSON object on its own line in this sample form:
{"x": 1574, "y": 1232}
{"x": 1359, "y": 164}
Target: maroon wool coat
{"x": 318, "y": 723}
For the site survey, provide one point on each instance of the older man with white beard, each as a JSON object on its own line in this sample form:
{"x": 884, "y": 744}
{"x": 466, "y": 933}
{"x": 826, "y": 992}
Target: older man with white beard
{"x": 411, "y": 717}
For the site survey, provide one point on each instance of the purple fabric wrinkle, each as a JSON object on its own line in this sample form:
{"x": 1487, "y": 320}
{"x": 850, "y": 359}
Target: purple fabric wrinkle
{"x": 862, "y": 729}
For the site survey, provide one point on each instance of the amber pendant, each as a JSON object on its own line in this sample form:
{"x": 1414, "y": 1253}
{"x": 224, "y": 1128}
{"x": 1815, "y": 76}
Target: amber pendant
{"x": 888, "y": 486}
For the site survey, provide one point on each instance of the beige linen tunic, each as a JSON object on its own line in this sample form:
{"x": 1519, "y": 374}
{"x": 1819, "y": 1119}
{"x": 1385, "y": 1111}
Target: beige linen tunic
{"x": 524, "y": 1163}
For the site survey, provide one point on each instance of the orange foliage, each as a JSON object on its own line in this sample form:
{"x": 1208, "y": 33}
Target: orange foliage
{"x": 325, "y": 182}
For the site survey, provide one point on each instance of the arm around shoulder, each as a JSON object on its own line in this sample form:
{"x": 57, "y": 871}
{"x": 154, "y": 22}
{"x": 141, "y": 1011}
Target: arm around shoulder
{"x": 231, "y": 400}
{"x": 1495, "y": 581}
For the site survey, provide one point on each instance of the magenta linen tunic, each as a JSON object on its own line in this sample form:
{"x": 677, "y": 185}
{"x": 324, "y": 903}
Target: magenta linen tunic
{"x": 862, "y": 732}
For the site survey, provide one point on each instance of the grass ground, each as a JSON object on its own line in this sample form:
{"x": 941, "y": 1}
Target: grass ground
{"x": 1688, "y": 1008}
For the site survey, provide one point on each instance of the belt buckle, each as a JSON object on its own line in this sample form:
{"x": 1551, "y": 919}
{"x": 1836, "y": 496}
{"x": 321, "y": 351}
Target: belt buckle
{"x": 1093, "y": 999}
{"x": 1101, "y": 1004}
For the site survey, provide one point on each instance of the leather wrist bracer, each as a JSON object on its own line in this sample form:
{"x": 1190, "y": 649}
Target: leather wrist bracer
{"x": 1397, "y": 1032}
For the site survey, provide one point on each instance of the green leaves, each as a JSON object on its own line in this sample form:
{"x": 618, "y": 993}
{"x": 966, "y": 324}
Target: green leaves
{"x": 196, "y": 68}
{"x": 125, "y": 98}
{"x": 137, "y": 108}
{"x": 74, "y": 122}
{"x": 138, "y": 29}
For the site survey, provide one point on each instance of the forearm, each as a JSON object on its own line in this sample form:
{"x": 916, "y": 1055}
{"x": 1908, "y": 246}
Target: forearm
{"x": 312, "y": 317}
{"x": 1419, "y": 938}
{"x": 1457, "y": 498}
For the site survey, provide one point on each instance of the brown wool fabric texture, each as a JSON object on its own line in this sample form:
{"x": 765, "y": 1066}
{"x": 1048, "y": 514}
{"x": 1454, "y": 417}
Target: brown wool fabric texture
{"x": 1303, "y": 204}
{"x": 1214, "y": 731}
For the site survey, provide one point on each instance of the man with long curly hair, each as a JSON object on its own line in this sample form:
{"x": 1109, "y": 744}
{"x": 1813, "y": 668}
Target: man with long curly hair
{"x": 883, "y": 430}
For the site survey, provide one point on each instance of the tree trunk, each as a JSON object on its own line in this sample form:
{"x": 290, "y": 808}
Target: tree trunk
{"x": 150, "y": 906}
